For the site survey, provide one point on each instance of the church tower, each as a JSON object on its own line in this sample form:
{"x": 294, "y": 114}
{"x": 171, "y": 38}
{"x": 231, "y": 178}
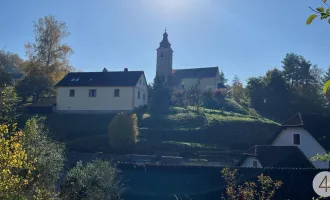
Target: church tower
{"x": 164, "y": 58}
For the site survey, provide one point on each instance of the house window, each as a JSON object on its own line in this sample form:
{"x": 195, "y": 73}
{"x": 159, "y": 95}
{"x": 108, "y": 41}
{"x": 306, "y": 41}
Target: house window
{"x": 92, "y": 93}
{"x": 117, "y": 94}
{"x": 140, "y": 82}
{"x": 161, "y": 55}
{"x": 182, "y": 86}
{"x": 144, "y": 96}
{"x": 72, "y": 93}
{"x": 296, "y": 139}
{"x": 138, "y": 94}
{"x": 255, "y": 163}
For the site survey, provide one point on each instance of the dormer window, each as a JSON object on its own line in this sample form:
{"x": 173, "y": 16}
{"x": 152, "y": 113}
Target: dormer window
{"x": 255, "y": 163}
{"x": 296, "y": 139}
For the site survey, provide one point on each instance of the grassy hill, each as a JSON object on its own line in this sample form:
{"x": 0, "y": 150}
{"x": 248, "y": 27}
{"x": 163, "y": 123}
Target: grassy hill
{"x": 181, "y": 129}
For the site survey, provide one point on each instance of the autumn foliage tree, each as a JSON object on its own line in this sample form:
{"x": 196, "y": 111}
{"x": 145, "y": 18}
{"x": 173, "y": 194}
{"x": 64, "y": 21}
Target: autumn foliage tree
{"x": 47, "y": 56}
{"x": 123, "y": 131}
{"x": 15, "y": 167}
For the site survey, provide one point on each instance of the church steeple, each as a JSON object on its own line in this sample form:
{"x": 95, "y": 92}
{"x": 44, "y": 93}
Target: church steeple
{"x": 165, "y": 43}
{"x": 164, "y": 58}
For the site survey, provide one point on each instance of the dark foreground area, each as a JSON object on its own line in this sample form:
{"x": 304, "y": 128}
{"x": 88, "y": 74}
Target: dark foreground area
{"x": 162, "y": 182}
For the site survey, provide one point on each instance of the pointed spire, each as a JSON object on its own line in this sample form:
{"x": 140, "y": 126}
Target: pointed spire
{"x": 165, "y": 43}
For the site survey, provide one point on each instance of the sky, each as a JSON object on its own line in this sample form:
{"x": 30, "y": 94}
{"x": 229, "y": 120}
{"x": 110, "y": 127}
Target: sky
{"x": 243, "y": 38}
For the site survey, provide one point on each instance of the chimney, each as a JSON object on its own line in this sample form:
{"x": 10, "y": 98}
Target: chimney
{"x": 125, "y": 70}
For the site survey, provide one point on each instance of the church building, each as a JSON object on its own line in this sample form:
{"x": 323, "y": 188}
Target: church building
{"x": 207, "y": 77}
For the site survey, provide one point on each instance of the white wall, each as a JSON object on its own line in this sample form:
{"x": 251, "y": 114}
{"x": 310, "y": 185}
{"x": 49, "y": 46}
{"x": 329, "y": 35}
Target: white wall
{"x": 248, "y": 162}
{"x": 308, "y": 145}
{"x": 104, "y": 100}
{"x": 205, "y": 83}
{"x": 143, "y": 90}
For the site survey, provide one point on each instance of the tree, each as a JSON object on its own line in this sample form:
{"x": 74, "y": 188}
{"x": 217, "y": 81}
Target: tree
{"x": 179, "y": 98}
{"x": 5, "y": 78}
{"x": 160, "y": 95}
{"x": 15, "y": 167}
{"x": 296, "y": 70}
{"x": 255, "y": 90}
{"x": 48, "y": 155}
{"x": 195, "y": 96}
{"x": 265, "y": 190}
{"x": 35, "y": 84}
{"x": 47, "y": 56}
{"x": 222, "y": 77}
{"x": 323, "y": 12}
{"x": 48, "y": 50}
{"x": 95, "y": 180}
{"x": 8, "y": 104}
{"x": 123, "y": 131}
{"x": 276, "y": 95}
{"x": 237, "y": 89}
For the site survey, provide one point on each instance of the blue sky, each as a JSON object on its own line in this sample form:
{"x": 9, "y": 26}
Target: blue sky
{"x": 241, "y": 37}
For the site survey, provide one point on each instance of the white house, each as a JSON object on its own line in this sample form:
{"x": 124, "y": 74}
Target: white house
{"x": 261, "y": 156}
{"x": 101, "y": 91}
{"x": 310, "y": 133}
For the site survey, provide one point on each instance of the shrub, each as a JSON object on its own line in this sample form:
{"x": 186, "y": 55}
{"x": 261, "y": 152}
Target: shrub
{"x": 123, "y": 131}
{"x": 263, "y": 190}
{"x": 49, "y": 156}
{"x": 95, "y": 180}
{"x": 15, "y": 167}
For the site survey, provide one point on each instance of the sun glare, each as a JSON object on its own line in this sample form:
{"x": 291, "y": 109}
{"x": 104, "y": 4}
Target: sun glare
{"x": 169, "y": 7}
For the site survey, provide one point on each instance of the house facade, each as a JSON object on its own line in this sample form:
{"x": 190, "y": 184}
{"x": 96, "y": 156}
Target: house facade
{"x": 297, "y": 141}
{"x": 261, "y": 156}
{"x": 309, "y": 132}
{"x": 102, "y": 91}
{"x": 206, "y": 78}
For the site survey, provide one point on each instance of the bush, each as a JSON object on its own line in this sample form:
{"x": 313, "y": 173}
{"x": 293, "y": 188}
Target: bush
{"x": 49, "y": 156}
{"x": 123, "y": 131}
{"x": 264, "y": 188}
{"x": 96, "y": 180}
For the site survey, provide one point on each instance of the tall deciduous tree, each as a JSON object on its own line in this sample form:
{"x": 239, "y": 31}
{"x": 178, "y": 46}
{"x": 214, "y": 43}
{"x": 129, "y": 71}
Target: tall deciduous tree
{"x": 48, "y": 55}
{"x": 48, "y": 49}
{"x": 237, "y": 89}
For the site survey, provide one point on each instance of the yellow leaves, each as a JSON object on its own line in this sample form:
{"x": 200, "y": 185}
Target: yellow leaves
{"x": 13, "y": 161}
{"x": 311, "y": 18}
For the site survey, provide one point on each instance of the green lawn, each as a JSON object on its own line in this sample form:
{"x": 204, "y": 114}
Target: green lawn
{"x": 181, "y": 129}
